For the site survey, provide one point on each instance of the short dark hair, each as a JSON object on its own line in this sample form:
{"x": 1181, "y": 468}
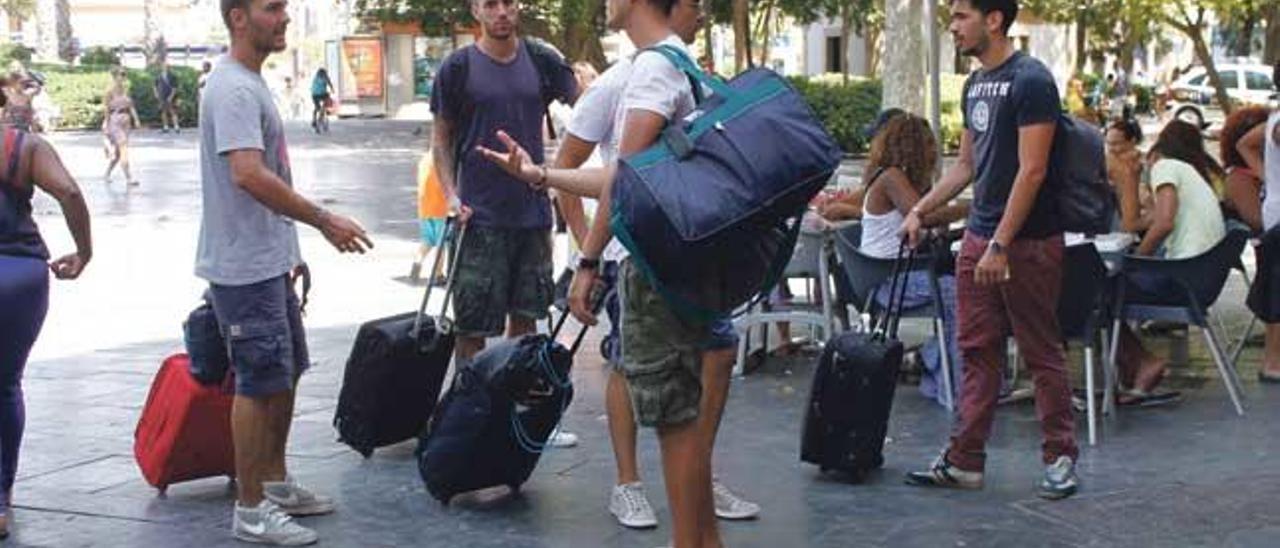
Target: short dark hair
{"x": 667, "y": 6}
{"x": 228, "y": 5}
{"x": 1130, "y": 128}
{"x": 1007, "y": 8}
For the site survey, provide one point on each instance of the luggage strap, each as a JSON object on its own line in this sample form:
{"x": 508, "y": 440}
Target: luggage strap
{"x": 518, "y": 431}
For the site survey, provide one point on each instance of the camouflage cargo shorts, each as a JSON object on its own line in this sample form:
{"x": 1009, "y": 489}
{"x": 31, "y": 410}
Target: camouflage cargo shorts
{"x": 501, "y": 272}
{"x": 662, "y": 354}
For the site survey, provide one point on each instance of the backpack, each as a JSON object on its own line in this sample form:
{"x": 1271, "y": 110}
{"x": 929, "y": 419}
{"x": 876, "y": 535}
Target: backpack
{"x": 546, "y": 61}
{"x": 1078, "y": 169}
{"x": 711, "y": 212}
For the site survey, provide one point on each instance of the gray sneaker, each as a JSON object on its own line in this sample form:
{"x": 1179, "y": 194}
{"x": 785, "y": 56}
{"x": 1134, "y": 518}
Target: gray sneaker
{"x": 730, "y": 506}
{"x": 629, "y": 504}
{"x": 267, "y": 524}
{"x": 1060, "y": 480}
{"x": 295, "y": 499}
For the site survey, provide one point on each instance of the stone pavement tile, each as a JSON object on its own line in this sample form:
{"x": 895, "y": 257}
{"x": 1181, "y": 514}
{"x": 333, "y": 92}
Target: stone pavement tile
{"x": 1171, "y": 513}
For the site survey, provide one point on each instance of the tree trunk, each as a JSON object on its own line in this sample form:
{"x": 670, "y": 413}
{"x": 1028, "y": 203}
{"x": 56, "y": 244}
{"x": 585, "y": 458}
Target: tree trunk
{"x": 1082, "y": 36}
{"x": 1206, "y": 58}
{"x": 1243, "y": 45}
{"x": 765, "y": 31}
{"x": 66, "y": 49}
{"x": 153, "y": 45}
{"x": 846, "y": 32}
{"x": 1194, "y": 29}
{"x": 1271, "y": 51}
{"x": 707, "y": 45}
{"x": 581, "y": 39}
{"x": 741, "y": 34}
{"x": 871, "y": 43}
{"x": 904, "y": 82}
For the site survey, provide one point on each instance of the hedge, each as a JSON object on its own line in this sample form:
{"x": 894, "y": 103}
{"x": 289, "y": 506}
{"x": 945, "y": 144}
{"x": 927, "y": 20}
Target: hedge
{"x": 79, "y": 91}
{"x": 847, "y": 108}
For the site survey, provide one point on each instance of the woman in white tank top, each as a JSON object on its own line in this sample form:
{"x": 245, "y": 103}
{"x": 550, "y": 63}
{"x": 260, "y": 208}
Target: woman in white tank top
{"x": 901, "y": 168}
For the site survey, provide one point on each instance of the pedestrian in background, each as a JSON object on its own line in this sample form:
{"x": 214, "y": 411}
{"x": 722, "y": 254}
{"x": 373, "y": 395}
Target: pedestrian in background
{"x": 119, "y": 118}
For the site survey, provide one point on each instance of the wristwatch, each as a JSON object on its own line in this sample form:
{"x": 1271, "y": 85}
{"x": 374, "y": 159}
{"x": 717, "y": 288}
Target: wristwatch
{"x": 588, "y": 264}
{"x": 995, "y": 247}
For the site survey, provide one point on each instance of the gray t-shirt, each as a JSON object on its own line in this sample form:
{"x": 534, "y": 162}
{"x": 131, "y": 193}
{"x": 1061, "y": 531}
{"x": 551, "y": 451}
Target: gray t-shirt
{"x": 241, "y": 240}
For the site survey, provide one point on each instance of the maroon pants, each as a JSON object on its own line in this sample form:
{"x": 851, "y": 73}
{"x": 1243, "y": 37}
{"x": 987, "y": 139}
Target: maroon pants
{"x": 1026, "y": 305}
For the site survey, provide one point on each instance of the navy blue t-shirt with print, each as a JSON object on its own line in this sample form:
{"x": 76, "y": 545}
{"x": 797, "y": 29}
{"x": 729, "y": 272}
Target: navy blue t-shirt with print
{"x": 997, "y": 103}
{"x": 506, "y": 96}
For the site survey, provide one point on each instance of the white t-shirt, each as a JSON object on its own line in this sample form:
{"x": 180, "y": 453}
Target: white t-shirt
{"x": 657, "y": 86}
{"x": 593, "y": 120}
{"x": 1271, "y": 165}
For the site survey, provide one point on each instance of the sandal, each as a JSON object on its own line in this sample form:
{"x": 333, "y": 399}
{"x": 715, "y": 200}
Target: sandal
{"x": 1140, "y": 398}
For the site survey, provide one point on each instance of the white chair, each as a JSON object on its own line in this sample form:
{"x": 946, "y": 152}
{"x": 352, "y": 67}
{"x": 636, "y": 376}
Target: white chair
{"x": 810, "y": 260}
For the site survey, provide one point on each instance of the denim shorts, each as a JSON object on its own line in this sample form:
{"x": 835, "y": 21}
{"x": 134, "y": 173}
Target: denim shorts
{"x": 262, "y": 324}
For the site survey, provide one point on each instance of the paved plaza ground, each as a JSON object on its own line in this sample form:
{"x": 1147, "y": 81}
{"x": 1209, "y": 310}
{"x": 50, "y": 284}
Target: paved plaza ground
{"x": 1192, "y": 474}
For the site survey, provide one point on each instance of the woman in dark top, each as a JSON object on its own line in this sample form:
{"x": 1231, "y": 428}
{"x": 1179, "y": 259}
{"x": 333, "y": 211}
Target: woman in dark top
{"x": 28, "y": 162}
{"x": 1124, "y": 170}
{"x": 1242, "y": 200}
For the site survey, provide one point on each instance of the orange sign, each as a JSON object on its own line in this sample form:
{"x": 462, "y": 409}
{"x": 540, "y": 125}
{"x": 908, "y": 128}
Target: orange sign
{"x": 363, "y": 58}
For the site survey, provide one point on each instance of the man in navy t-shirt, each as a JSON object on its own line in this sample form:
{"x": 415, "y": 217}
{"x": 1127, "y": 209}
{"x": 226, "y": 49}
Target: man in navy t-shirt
{"x": 1009, "y": 271}
{"x": 504, "y": 265}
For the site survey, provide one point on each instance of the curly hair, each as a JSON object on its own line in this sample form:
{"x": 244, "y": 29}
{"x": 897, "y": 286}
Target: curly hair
{"x": 1236, "y": 126}
{"x": 1182, "y": 141}
{"x": 907, "y": 143}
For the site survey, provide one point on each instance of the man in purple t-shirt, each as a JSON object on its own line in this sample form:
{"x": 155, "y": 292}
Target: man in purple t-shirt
{"x": 500, "y": 83}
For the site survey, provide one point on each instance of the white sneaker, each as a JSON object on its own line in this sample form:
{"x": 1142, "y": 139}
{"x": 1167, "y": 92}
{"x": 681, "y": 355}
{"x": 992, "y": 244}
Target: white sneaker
{"x": 629, "y": 504}
{"x": 562, "y": 440}
{"x": 730, "y": 505}
{"x": 267, "y": 524}
{"x": 295, "y": 499}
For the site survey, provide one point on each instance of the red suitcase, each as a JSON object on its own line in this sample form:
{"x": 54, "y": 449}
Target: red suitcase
{"x": 185, "y": 429}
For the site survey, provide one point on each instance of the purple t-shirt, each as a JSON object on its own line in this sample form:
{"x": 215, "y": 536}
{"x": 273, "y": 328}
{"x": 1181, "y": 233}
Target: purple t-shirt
{"x": 498, "y": 96}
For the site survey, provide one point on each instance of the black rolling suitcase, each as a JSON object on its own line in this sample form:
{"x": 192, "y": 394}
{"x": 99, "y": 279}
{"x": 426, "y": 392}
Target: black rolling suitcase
{"x": 852, "y": 394}
{"x": 493, "y": 424}
{"x": 395, "y": 371}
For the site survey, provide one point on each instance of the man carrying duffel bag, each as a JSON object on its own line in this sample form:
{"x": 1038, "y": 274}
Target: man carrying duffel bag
{"x": 677, "y": 361}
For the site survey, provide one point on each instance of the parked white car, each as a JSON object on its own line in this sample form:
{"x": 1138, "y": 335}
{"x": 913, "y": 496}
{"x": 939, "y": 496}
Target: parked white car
{"x": 1193, "y": 94}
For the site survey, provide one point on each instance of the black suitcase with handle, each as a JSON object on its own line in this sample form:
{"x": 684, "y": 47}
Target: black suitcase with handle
{"x": 395, "y": 371}
{"x": 852, "y": 394}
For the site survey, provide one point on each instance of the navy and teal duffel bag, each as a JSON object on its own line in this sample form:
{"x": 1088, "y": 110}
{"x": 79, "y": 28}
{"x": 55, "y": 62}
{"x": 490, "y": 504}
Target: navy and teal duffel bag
{"x": 711, "y": 212}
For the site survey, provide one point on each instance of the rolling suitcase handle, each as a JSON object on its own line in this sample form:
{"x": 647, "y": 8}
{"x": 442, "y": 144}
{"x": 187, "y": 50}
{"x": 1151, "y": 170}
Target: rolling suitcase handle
{"x": 451, "y": 226}
{"x": 887, "y": 325}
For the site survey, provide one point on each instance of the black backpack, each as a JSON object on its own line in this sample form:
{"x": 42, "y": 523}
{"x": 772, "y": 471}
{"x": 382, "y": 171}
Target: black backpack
{"x": 1078, "y": 171}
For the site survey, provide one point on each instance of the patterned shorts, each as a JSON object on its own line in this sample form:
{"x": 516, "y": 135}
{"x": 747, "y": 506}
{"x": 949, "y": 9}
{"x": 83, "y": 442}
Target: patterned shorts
{"x": 662, "y": 353}
{"x": 501, "y": 272}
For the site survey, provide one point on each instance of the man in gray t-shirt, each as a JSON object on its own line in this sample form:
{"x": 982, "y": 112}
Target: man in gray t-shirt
{"x": 248, "y": 251}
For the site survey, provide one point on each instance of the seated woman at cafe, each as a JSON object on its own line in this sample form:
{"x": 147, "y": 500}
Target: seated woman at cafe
{"x": 1185, "y": 221}
{"x": 902, "y": 167}
{"x": 1124, "y": 171}
{"x": 1242, "y": 200}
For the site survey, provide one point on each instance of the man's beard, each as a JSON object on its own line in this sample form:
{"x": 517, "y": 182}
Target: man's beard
{"x": 978, "y": 49}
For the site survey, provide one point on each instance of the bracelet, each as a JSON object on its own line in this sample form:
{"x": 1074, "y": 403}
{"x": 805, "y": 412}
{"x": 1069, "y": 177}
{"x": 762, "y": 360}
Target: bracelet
{"x": 542, "y": 179}
{"x": 588, "y": 264}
